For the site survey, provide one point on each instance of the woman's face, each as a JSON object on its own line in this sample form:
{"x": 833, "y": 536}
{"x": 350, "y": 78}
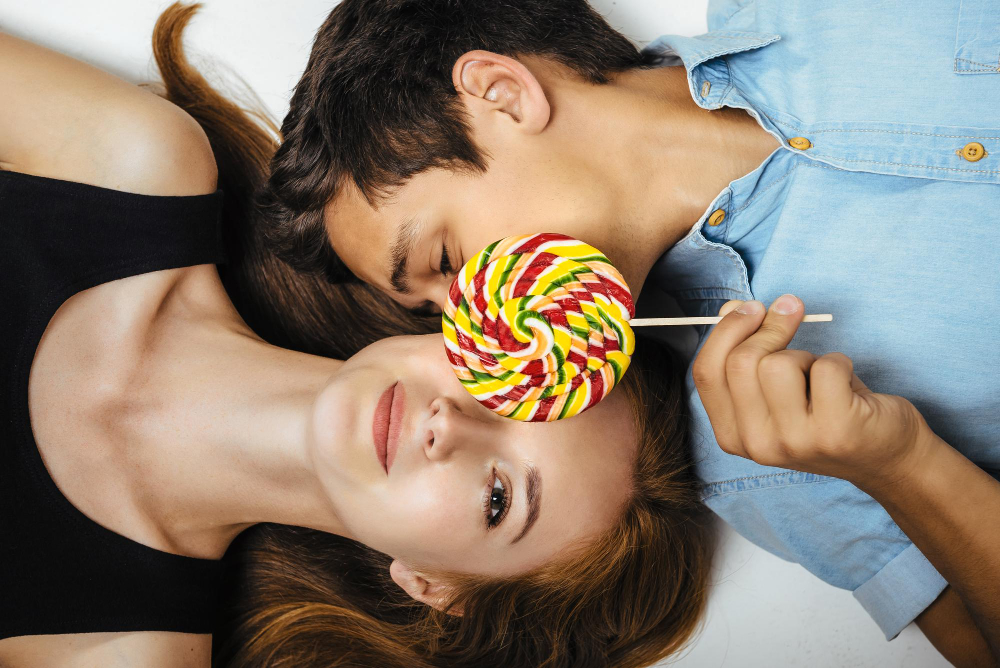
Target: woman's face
{"x": 417, "y": 469}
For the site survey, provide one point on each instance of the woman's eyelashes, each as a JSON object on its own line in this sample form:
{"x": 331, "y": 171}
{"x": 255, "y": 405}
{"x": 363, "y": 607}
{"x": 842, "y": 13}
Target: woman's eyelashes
{"x": 496, "y": 502}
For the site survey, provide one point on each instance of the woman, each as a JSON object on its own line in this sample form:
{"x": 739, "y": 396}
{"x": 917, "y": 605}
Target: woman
{"x": 149, "y": 425}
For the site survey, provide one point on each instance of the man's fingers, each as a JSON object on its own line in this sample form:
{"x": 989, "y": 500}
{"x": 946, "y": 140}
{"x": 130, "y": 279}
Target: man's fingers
{"x": 729, "y": 307}
{"x": 709, "y": 369}
{"x": 831, "y": 381}
{"x": 741, "y": 319}
{"x": 779, "y": 326}
{"x": 857, "y": 386}
{"x": 743, "y": 364}
{"x": 783, "y": 380}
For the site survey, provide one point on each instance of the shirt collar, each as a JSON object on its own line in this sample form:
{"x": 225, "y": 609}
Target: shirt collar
{"x": 696, "y": 55}
{"x": 695, "y": 268}
{"x": 694, "y": 51}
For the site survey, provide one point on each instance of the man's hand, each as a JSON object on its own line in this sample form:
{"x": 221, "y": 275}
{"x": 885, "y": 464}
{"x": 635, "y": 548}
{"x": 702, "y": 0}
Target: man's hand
{"x": 792, "y": 409}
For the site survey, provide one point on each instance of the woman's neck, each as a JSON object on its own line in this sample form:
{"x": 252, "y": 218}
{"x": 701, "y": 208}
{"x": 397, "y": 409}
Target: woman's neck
{"x": 217, "y": 430}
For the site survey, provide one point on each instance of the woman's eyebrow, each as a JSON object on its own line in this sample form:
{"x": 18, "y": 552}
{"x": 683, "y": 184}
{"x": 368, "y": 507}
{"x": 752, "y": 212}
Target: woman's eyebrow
{"x": 533, "y": 491}
{"x": 399, "y": 255}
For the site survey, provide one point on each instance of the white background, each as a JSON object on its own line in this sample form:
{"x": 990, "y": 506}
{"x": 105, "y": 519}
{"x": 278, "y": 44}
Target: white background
{"x": 763, "y": 611}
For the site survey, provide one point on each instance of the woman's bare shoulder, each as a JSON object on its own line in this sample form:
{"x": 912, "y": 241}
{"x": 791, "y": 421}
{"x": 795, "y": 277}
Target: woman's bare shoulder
{"x": 65, "y": 119}
{"x": 158, "y": 149}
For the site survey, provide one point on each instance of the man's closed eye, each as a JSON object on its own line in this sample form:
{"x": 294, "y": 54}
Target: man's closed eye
{"x": 445, "y": 267}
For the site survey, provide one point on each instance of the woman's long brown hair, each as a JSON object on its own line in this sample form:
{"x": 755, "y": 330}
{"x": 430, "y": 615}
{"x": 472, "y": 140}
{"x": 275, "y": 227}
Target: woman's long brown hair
{"x": 285, "y": 307}
{"x": 303, "y": 598}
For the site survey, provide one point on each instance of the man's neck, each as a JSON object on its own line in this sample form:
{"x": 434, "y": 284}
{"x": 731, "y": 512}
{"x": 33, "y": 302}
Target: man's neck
{"x": 671, "y": 158}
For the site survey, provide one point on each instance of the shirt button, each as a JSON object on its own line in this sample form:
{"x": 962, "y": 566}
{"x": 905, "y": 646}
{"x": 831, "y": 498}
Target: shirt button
{"x": 973, "y": 151}
{"x": 705, "y": 88}
{"x": 800, "y": 143}
{"x": 717, "y": 217}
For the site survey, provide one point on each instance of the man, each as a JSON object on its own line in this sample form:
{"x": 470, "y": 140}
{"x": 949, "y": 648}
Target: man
{"x": 848, "y": 152}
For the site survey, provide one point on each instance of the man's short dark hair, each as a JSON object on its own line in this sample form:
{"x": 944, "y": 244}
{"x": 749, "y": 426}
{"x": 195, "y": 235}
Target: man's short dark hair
{"x": 376, "y": 103}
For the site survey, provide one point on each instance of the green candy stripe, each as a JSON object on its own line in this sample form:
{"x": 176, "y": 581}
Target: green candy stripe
{"x": 612, "y": 324}
{"x": 525, "y": 315}
{"x": 464, "y": 309}
{"x": 560, "y": 356}
{"x": 484, "y": 258}
{"x": 600, "y": 257}
{"x": 565, "y": 278}
{"x": 569, "y": 402}
{"x": 508, "y": 266}
{"x": 616, "y": 368}
{"x": 486, "y": 378}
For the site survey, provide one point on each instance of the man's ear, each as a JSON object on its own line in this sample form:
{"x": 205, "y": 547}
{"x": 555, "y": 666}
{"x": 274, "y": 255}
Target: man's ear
{"x": 420, "y": 589}
{"x": 489, "y": 82}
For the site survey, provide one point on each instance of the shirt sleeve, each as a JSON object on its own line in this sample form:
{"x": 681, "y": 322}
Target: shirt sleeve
{"x": 827, "y": 525}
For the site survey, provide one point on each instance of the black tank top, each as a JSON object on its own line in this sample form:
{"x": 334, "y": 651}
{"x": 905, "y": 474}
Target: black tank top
{"x": 61, "y": 572}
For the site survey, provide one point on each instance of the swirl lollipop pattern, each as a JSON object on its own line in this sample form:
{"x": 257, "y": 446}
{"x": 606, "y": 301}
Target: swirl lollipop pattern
{"x": 536, "y": 327}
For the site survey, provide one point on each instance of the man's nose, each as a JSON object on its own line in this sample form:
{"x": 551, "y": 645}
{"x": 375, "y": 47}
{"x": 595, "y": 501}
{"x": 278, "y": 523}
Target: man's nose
{"x": 438, "y": 294}
{"x": 428, "y": 301}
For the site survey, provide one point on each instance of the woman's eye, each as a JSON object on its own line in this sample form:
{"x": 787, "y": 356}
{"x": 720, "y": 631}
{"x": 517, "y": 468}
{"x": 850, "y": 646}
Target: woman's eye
{"x": 446, "y": 269}
{"x": 496, "y": 504}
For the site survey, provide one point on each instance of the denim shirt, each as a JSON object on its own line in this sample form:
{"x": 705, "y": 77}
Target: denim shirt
{"x": 879, "y": 208}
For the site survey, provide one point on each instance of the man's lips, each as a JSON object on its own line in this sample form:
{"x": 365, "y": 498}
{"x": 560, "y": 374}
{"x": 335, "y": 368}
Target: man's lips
{"x": 387, "y": 424}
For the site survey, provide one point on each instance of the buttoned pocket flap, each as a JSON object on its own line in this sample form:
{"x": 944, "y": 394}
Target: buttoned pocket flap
{"x": 977, "y": 42}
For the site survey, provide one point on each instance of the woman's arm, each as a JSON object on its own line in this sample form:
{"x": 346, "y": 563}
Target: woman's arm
{"x": 792, "y": 409}
{"x": 124, "y": 650}
{"x": 64, "y": 119}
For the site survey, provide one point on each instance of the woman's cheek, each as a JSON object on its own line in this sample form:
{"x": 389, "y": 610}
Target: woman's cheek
{"x": 442, "y": 507}
{"x": 441, "y": 521}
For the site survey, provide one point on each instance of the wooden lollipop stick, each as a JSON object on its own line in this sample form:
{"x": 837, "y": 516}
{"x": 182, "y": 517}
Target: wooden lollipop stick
{"x": 650, "y": 322}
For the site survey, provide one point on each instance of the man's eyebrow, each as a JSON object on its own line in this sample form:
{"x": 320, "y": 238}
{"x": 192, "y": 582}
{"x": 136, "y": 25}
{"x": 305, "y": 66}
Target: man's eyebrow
{"x": 533, "y": 491}
{"x": 399, "y": 254}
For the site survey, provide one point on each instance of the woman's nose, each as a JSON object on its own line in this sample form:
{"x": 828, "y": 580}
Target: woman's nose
{"x": 444, "y": 430}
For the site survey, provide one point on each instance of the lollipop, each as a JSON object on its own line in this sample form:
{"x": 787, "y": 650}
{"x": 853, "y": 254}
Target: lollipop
{"x": 536, "y": 327}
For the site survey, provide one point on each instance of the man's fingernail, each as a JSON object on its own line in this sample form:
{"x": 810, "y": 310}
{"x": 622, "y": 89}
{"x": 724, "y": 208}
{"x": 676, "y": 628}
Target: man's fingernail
{"x": 786, "y": 305}
{"x": 750, "y": 308}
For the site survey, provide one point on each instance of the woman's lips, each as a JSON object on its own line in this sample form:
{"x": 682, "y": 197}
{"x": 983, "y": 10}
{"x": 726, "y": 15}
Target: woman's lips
{"x": 387, "y": 424}
{"x": 396, "y": 412}
{"x": 380, "y": 425}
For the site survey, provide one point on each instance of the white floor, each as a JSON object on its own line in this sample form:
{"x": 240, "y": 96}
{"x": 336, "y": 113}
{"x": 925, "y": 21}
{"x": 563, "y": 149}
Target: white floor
{"x": 763, "y": 611}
